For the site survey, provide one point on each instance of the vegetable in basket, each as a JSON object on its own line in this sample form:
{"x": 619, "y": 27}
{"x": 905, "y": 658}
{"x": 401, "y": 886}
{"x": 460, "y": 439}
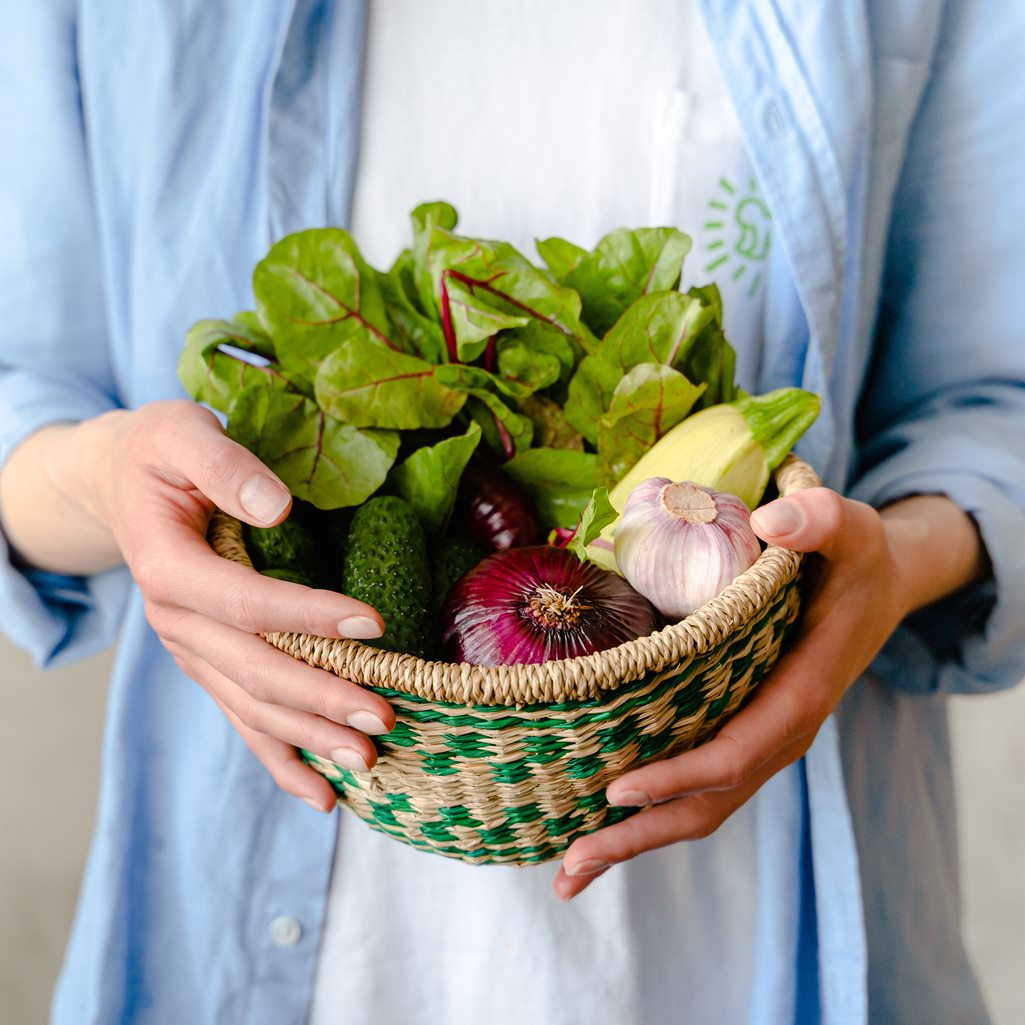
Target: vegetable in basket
{"x": 730, "y": 447}
{"x": 536, "y": 604}
{"x": 386, "y": 566}
{"x": 680, "y": 544}
{"x": 454, "y": 558}
{"x": 353, "y": 383}
{"x": 494, "y": 511}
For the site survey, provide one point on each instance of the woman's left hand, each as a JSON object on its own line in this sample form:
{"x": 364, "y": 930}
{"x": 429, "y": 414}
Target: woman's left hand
{"x": 869, "y": 573}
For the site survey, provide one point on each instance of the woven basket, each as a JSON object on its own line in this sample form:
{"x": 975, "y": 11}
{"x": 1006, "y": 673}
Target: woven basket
{"x": 509, "y": 764}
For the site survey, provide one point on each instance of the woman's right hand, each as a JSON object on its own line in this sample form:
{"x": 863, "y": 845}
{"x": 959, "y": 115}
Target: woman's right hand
{"x": 162, "y": 470}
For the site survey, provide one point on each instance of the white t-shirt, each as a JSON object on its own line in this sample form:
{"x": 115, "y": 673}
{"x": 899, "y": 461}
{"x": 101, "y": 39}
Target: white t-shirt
{"x": 538, "y": 118}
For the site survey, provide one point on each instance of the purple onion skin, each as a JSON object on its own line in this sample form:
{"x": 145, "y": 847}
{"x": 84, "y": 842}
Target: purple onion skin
{"x": 495, "y": 512}
{"x": 492, "y": 618}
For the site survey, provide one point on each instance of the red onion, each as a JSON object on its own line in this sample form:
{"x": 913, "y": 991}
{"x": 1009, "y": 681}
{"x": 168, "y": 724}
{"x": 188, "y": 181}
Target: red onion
{"x": 538, "y": 604}
{"x": 495, "y": 512}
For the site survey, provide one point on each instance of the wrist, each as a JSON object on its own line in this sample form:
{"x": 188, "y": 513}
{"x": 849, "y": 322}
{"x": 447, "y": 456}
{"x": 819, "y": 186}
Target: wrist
{"x": 91, "y": 478}
{"x": 936, "y": 549}
{"x": 55, "y": 497}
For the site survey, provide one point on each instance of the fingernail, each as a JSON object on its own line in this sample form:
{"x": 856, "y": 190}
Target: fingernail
{"x": 587, "y": 868}
{"x": 359, "y": 628}
{"x": 263, "y": 499}
{"x": 562, "y": 890}
{"x": 317, "y": 806}
{"x": 631, "y": 799}
{"x": 366, "y": 722}
{"x": 349, "y": 758}
{"x": 778, "y": 518}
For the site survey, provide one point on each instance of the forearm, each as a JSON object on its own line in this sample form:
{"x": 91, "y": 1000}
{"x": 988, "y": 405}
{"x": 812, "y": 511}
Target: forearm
{"x": 936, "y": 547}
{"x": 50, "y": 497}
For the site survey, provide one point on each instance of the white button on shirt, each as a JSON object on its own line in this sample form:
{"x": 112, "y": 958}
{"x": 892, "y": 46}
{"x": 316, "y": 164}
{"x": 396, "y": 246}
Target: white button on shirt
{"x": 285, "y": 931}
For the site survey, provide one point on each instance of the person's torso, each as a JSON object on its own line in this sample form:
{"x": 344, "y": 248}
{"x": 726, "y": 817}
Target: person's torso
{"x": 206, "y": 141}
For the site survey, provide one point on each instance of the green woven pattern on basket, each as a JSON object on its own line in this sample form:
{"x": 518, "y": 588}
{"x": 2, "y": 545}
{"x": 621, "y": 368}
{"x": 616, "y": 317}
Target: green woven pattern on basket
{"x": 517, "y": 777}
{"x": 484, "y": 717}
{"x": 498, "y": 844}
{"x": 548, "y": 765}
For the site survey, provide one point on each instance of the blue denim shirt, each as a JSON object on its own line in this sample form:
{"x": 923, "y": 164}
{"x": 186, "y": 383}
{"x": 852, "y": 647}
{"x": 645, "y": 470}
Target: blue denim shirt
{"x": 154, "y": 150}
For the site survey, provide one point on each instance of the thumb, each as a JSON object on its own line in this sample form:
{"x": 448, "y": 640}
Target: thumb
{"x": 815, "y": 520}
{"x": 228, "y": 474}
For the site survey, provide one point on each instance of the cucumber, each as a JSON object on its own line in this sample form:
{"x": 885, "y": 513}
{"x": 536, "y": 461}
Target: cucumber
{"x": 386, "y": 566}
{"x": 309, "y": 545}
{"x": 455, "y": 557}
{"x": 291, "y": 545}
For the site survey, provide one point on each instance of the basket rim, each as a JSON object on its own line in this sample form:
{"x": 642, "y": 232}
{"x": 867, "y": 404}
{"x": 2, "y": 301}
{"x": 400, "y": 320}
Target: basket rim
{"x": 584, "y": 678}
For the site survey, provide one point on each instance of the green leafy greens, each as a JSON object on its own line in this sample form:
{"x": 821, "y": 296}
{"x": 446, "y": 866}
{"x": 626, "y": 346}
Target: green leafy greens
{"x": 347, "y": 380}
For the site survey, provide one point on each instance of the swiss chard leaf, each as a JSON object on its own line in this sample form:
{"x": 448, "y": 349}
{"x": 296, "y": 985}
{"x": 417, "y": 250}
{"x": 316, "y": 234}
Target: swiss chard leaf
{"x": 682, "y": 331}
{"x": 463, "y": 377}
{"x": 590, "y": 392}
{"x": 551, "y": 428}
{"x": 561, "y": 257}
{"x": 543, "y": 338}
{"x": 313, "y": 291}
{"x": 559, "y": 480}
{"x": 425, "y": 218}
{"x": 369, "y": 385}
{"x": 624, "y": 266}
{"x": 215, "y": 376}
{"x": 251, "y": 336}
{"x": 649, "y": 400}
{"x": 597, "y": 515}
{"x": 473, "y": 316}
{"x": 711, "y": 358}
{"x": 429, "y": 479}
{"x": 527, "y": 367}
{"x": 411, "y": 329}
{"x": 321, "y": 460}
{"x": 484, "y": 287}
{"x": 658, "y": 328}
{"x": 505, "y": 432}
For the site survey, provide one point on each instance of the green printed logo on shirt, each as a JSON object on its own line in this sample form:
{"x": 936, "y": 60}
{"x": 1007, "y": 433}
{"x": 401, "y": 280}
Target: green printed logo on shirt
{"x": 739, "y": 230}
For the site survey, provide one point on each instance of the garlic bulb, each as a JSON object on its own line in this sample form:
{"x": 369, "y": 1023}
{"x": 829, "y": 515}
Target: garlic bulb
{"x": 680, "y": 544}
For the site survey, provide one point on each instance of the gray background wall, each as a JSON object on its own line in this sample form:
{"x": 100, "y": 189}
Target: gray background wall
{"x": 49, "y": 763}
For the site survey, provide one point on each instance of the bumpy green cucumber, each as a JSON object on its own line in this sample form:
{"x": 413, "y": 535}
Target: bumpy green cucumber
{"x": 455, "y": 557}
{"x": 291, "y": 545}
{"x": 386, "y": 566}
{"x": 309, "y": 545}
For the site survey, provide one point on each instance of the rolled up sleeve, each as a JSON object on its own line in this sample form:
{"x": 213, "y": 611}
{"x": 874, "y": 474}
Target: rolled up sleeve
{"x": 944, "y": 408}
{"x": 54, "y": 359}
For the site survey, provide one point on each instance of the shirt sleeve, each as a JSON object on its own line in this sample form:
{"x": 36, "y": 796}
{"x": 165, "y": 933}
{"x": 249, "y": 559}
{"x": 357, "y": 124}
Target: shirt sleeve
{"x": 54, "y": 358}
{"x": 944, "y": 408}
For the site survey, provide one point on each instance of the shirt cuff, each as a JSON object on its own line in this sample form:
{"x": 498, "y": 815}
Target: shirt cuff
{"x": 972, "y": 641}
{"x": 56, "y": 618}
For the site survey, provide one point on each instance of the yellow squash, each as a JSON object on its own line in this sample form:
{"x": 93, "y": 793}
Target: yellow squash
{"x": 730, "y": 447}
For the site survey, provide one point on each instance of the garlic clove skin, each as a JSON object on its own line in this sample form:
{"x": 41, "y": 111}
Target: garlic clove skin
{"x": 679, "y": 544}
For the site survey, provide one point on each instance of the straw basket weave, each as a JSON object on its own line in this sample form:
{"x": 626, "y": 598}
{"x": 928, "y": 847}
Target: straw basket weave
{"x": 509, "y": 764}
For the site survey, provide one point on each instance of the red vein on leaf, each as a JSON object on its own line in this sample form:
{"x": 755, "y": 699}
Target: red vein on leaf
{"x": 508, "y": 447}
{"x": 349, "y": 311}
{"x": 446, "y": 319}
{"x": 472, "y": 283}
{"x": 385, "y": 380}
{"x": 688, "y": 320}
{"x": 654, "y": 267}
